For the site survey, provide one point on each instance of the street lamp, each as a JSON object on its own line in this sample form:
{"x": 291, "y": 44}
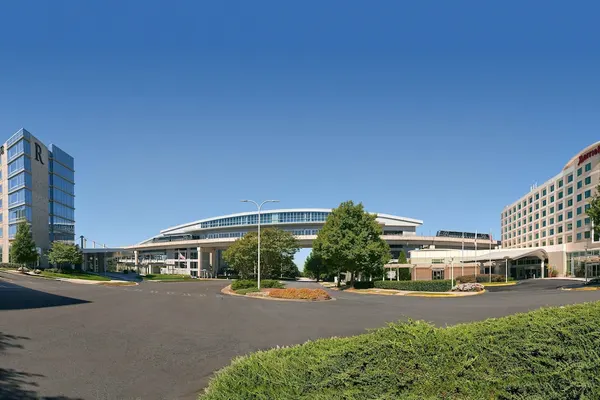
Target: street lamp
{"x": 259, "y": 206}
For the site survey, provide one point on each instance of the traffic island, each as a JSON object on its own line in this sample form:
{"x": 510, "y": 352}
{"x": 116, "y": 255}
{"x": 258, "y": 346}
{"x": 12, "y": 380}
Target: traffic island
{"x": 391, "y": 292}
{"x": 289, "y": 294}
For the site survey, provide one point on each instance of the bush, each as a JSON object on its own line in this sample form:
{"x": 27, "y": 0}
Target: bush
{"x": 481, "y": 278}
{"x": 9, "y": 266}
{"x": 364, "y": 285}
{"x": 126, "y": 271}
{"x": 247, "y": 290}
{"x": 553, "y": 358}
{"x": 419, "y": 286}
{"x": 301, "y": 294}
{"x": 468, "y": 287}
{"x": 246, "y": 284}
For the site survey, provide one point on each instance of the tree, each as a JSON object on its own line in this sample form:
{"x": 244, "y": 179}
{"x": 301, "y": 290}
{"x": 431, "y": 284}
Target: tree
{"x": 594, "y": 210}
{"x": 350, "y": 240}
{"x": 402, "y": 258}
{"x": 314, "y": 267}
{"x": 23, "y": 249}
{"x": 276, "y": 254}
{"x": 64, "y": 254}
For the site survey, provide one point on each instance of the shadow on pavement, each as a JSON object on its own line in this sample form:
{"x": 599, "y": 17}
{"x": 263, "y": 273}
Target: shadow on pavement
{"x": 16, "y": 297}
{"x": 17, "y": 384}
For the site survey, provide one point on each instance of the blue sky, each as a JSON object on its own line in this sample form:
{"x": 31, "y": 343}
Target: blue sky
{"x": 441, "y": 111}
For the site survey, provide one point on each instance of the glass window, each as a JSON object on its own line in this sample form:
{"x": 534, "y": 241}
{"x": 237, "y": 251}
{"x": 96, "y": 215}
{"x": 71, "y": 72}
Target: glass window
{"x": 543, "y": 213}
{"x": 543, "y": 223}
{"x": 552, "y": 221}
{"x": 569, "y": 190}
{"x": 560, "y": 194}
{"x": 588, "y": 193}
{"x": 587, "y": 221}
{"x": 588, "y": 167}
{"x": 588, "y": 180}
{"x": 22, "y": 146}
{"x": 569, "y": 214}
{"x": 551, "y": 210}
{"x": 69, "y": 187}
{"x": 569, "y": 239}
{"x": 579, "y": 236}
{"x": 544, "y": 203}
{"x": 61, "y": 170}
{"x": 551, "y": 231}
{"x": 569, "y": 226}
{"x": 579, "y": 197}
{"x": 551, "y": 199}
{"x": 19, "y": 197}
{"x": 570, "y": 178}
{"x": 579, "y": 223}
{"x": 579, "y": 184}
{"x": 560, "y": 183}
{"x": 544, "y": 192}
{"x": 537, "y": 196}
{"x": 560, "y": 229}
{"x": 62, "y": 157}
{"x": 19, "y": 180}
{"x": 569, "y": 202}
{"x": 560, "y": 206}
{"x": 19, "y": 164}
{"x": 19, "y": 213}
{"x": 578, "y": 210}
{"x": 560, "y": 217}
{"x": 586, "y": 234}
{"x": 579, "y": 171}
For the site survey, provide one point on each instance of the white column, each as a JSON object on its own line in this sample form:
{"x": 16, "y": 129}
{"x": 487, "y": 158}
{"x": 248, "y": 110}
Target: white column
{"x": 211, "y": 261}
{"x": 135, "y": 260}
{"x": 199, "y": 255}
{"x": 397, "y": 274}
{"x": 188, "y": 263}
{"x": 542, "y": 268}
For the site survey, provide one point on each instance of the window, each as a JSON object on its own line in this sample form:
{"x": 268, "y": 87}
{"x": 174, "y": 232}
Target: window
{"x": 569, "y": 238}
{"x": 560, "y": 194}
{"x": 569, "y": 226}
{"x": 570, "y": 178}
{"x": 530, "y": 209}
{"x": 551, "y": 188}
{"x": 543, "y": 234}
{"x": 19, "y": 180}
{"x": 19, "y": 164}
{"x": 579, "y": 223}
{"x": 551, "y": 242}
{"x": 537, "y": 196}
{"x": 543, "y": 213}
{"x": 544, "y": 203}
{"x": 537, "y": 215}
{"x": 551, "y": 231}
{"x": 586, "y": 234}
{"x": 17, "y": 214}
{"x": 19, "y": 197}
{"x": 569, "y": 190}
{"x": 22, "y": 146}
{"x": 530, "y": 218}
{"x": 578, "y": 210}
{"x": 579, "y": 197}
{"x": 537, "y": 206}
{"x": 588, "y": 167}
{"x": 560, "y": 183}
{"x": 579, "y": 171}
{"x": 588, "y": 180}
{"x": 437, "y": 274}
{"x": 560, "y": 229}
{"x": 551, "y": 199}
{"x": 560, "y": 206}
{"x": 544, "y": 223}
{"x": 552, "y": 221}
{"x": 530, "y": 200}
{"x": 586, "y": 207}
{"x": 560, "y": 218}
{"x": 588, "y": 193}
{"x": 551, "y": 210}
{"x": 569, "y": 214}
{"x": 587, "y": 221}
{"x": 570, "y": 203}
{"x": 579, "y": 236}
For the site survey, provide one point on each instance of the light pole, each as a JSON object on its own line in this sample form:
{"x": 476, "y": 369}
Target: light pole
{"x": 259, "y": 206}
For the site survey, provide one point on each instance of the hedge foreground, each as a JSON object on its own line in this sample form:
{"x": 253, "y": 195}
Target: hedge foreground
{"x": 419, "y": 286}
{"x": 551, "y": 353}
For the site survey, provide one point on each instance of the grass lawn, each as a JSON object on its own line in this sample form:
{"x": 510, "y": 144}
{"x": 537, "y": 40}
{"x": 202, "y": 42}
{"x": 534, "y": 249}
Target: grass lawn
{"x": 544, "y": 354}
{"x": 169, "y": 277}
{"x": 75, "y": 275}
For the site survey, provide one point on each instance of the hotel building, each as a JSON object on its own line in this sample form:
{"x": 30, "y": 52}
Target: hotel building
{"x": 37, "y": 185}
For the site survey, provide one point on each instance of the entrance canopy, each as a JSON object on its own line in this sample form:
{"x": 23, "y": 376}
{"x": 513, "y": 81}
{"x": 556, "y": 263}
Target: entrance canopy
{"x": 509, "y": 254}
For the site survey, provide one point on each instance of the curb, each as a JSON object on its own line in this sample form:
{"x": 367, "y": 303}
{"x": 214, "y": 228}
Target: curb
{"x": 420, "y": 294}
{"x": 227, "y": 290}
{"x": 581, "y": 289}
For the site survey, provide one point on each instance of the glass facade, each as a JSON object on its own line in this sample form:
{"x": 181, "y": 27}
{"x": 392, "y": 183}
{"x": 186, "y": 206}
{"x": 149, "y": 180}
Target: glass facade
{"x": 61, "y": 189}
{"x": 267, "y": 218}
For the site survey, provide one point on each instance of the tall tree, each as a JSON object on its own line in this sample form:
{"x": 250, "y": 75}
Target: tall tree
{"x": 64, "y": 254}
{"x": 314, "y": 267}
{"x": 594, "y": 211}
{"x": 276, "y": 255}
{"x": 22, "y": 248}
{"x": 351, "y": 241}
{"x": 402, "y": 258}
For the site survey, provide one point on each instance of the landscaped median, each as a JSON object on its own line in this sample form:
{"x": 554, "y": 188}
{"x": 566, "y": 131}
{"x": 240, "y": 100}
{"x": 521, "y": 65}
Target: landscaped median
{"x": 273, "y": 289}
{"x": 437, "y": 288}
{"x": 544, "y": 354}
{"x": 170, "y": 278}
{"x": 73, "y": 276}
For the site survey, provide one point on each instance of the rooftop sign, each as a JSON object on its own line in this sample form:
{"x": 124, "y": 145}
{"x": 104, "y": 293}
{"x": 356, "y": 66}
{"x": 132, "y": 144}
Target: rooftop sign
{"x": 585, "y": 156}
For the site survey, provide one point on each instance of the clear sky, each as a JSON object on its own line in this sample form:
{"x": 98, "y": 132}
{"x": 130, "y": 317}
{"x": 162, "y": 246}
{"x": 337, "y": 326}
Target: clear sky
{"x": 174, "y": 111}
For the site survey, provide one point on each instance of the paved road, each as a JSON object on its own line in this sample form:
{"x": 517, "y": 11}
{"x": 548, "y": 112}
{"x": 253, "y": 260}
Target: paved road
{"x": 164, "y": 340}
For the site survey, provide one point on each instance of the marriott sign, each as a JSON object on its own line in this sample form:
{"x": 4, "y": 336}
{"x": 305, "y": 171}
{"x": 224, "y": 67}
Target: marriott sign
{"x": 588, "y": 154}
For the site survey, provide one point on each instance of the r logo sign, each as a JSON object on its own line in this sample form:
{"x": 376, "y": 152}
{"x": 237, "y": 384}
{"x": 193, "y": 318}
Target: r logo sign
{"x": 38, "y": 153}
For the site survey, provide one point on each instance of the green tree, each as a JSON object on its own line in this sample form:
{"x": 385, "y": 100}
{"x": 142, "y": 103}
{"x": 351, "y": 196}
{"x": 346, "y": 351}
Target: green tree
{"x": 276, "y": 255}
{"x": 23, "y": 249}
{"x": 351, "y": 241}
{"x": 314, "y": 267}
{"x": 594, "y": 210}
{"x": 402, "y": 258}
{"x": 64, "y": 255}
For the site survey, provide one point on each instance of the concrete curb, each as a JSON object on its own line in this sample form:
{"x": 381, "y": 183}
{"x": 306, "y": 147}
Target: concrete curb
{"x": 227, "y": 290}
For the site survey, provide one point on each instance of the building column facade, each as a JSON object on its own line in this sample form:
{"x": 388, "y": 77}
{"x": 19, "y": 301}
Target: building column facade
{"x": 135, "y": 261}
{"x": 542, "y": 268}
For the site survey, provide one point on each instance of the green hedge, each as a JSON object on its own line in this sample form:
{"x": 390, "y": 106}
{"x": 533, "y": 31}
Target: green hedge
{"x": 247, "y": 284}
{"x": 364, "y": 285}
{"x": 482, "y": 278}
{"x": 419, "y": 286}
{"x": 545, "y": 354}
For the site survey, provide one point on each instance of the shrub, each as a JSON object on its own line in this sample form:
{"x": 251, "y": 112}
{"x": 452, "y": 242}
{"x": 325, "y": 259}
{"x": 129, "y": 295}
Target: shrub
{"x": 246, "y": 284}
{"x": 419, "y": 286}
{"x": 483, "y": 278}
{"x": 9, "y": 266}
{"x": 301, "y": 294}
{"x": 247, "y": 290}
{"x": 126, "y": 271}
{"x": 553, "y": 358}
{"x": 364, "y": 285}
{"x": 468, "y": 287}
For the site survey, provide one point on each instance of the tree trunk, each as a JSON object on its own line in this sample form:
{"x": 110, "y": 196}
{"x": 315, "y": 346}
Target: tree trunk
{"x": 339, "y": 280}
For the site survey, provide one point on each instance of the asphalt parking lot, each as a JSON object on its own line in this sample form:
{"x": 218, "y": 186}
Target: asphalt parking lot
{"x": 66, "y": 341}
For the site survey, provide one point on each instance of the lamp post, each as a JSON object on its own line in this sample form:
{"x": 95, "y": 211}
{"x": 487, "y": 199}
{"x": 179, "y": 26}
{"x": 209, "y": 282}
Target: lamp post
{"x": 259, "y": 206}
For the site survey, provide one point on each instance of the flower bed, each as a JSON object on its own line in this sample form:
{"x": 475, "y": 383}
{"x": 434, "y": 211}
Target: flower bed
{"x": 299, "y": 294}
{"x": 468, "y": 287}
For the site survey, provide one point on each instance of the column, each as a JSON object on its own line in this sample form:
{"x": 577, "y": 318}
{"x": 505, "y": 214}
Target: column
{"x": 135, "y": 261}
{"x": 212, "y": 257}
{"x": 188, "y": 263}
{"x": 542, "y": 268}
{"x": 199, "y": 255}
